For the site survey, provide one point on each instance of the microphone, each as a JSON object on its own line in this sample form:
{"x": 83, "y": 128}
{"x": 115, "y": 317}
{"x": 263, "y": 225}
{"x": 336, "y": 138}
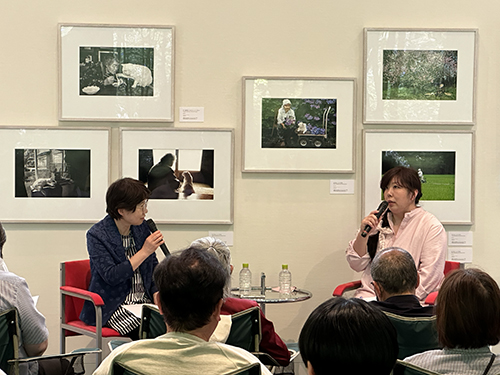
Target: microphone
{"x": 153, "y": 228}
{"x": 381, "y": 208}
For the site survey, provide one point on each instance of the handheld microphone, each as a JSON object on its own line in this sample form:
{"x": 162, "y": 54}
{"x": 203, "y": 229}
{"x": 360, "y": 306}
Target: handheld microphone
{"x": 381, "y": 208}
{"x": 153, "y": 228}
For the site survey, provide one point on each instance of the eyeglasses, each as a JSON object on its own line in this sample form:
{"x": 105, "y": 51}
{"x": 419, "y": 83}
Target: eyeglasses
{"x": 143, "y": 205}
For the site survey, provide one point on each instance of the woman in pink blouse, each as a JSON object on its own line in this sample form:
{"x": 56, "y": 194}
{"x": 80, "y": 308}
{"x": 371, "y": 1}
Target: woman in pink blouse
{"x": 405, "y": 225}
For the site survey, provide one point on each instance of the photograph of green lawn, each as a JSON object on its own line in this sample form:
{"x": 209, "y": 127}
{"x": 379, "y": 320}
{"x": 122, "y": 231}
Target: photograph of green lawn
{"x": 419, "y": 75}
{"x": 436, "y": 170}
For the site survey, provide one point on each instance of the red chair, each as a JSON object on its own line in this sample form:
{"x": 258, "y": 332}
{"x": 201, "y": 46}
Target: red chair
{"x": 75, "y": 280}
{"x": 448, "y": 266}
{"x": 343, "y": 288}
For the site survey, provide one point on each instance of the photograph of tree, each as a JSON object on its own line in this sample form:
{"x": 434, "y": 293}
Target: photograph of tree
{"x": 178, "y": 173}
{"x": 116, "y": 71}
{"x": 299, "y": 123}
{"x": 436, "y": 170}
{"x": 52, "y": 173}
{"x": 419, "y": 75}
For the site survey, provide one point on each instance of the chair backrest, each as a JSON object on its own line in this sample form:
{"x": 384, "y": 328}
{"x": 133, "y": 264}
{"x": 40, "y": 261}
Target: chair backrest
{"x": 118, "y": 369}
{"x": 9, "y": 338}
{"x": 152, "y": 323}
{"x": 405, "y": 368}
{"x": 449, "y": 266}
{"x": 254, "y": 369}
{"x": 245, "y": 329}
{"x": 415, "y": 334}
{"x": 75, "y": 273}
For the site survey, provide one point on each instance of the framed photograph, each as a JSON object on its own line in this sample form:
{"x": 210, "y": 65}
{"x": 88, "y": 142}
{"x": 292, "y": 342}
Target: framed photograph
{"x": 298, "y": 125}
{"x": 54, "y": 174}
{"x": 116, "y": 73}
{"x": 189, "y": 172}
{"x": 444, "y": 161}
{"x": 420, "y": 76}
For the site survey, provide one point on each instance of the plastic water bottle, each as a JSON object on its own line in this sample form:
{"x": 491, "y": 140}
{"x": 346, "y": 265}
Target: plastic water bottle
{"x": 285, "y": 280}
{"x": 245, "y": 280}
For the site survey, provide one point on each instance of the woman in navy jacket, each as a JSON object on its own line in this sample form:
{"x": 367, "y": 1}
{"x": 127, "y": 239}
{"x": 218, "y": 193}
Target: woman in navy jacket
{"x": 122, "y": 257}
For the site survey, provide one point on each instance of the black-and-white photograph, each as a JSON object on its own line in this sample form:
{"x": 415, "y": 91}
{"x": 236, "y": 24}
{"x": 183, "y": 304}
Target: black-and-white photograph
{"x": 178, "y": 174}
{"x": 116, "y": 71}
{"x": 52, "y": 173}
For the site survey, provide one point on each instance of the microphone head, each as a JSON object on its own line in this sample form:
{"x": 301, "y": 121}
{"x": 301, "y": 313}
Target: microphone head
{"x": 151, "y": 225}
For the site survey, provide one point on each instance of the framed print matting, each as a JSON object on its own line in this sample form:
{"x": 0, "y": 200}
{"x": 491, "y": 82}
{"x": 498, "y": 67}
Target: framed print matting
{"x": 116, "y": 73}
{"x": 298, "y": 125}
{"x": 444, "y": 161}
{"x": 420, "y": 76}
{"x": 189, "y": 172}
{"x": 54, "y": 174}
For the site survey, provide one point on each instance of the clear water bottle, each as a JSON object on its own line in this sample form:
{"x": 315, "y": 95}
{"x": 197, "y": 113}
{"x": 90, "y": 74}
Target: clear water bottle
{"x": 285, "y": 281}
{"x": 245, "y": 280}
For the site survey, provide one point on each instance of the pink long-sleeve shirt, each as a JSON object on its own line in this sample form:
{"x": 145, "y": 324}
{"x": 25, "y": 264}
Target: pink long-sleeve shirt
{"x": 423, "y": 236}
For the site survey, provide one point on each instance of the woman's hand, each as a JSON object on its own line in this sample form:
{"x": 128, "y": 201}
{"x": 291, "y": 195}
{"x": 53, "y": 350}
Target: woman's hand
{"x": 149, "y": 247}
{"x": 360, "y": 242}
{"x": 370, "y": 220}
{"x": 152, "y": 242}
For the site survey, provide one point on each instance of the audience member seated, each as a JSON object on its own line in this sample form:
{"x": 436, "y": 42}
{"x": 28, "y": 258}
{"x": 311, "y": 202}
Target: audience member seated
{"x": 467, "y": 311}
{"x": 271, "y": 343}
{"x": 14, "y": 292}
{"x": 191, "y": 289}
{"x": 395, "y": 280}
{"x": 348, "y": 336}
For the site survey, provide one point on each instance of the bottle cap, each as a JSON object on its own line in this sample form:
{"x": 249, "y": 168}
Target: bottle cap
{"x": 245, "y": 265}
{"x": 284, "y": 266}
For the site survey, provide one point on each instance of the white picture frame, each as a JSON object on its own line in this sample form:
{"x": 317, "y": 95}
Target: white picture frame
{"x": 212, "y": 201}
{"x": 458, "y": 210}
{"x": 116, "y": 73}
{"x": 336, "y": 150}
{"x": 64, "y": 192}
{"x": 444, "y": 97}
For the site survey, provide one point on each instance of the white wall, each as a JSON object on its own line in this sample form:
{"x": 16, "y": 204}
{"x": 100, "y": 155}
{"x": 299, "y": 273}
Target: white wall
{"x": 279, "y": 218}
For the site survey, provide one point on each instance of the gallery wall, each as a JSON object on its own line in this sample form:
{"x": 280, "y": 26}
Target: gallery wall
{"x": 278, "y": 218}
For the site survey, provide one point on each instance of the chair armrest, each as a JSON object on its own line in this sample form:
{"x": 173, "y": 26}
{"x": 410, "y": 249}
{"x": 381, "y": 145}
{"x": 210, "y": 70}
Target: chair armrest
{"x": 342, "y": 288}
{"x": 83, "y": 294}
{"x": 266, "y": 359}
{"x": 431, "y": 298}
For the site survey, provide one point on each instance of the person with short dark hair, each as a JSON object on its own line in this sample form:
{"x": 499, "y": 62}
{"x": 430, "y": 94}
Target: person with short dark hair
{"x": 191, "y": 288}
{"x": 406, "y": 225}
{"x": 467, "y": 312}
{"x": 348, "y": 336}
{"x": 270, "y": 343}
{"x": 395, "y": 279}
{"x": 122, "y": 257}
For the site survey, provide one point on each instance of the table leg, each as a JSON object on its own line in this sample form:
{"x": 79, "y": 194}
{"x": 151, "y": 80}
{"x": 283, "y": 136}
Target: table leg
{"x": 263, "y": 308}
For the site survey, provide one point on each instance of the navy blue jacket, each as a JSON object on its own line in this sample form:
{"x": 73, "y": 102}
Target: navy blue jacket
{"x": 111, "y": 271}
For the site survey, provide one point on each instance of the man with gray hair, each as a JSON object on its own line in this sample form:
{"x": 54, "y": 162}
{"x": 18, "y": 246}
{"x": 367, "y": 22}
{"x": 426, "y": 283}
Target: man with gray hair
{"x": 395, "y": 279}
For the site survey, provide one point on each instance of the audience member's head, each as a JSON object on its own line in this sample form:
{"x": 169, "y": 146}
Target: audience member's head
{"x": 350, "y": 336}
{"x": 191, "y": 286}
{"x": 220, "y": 250}
{"x": 468, "y": 310}
{"x": 394, "y": 273}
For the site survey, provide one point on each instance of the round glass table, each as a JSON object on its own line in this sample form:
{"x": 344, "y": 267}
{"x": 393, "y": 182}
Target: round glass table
{"x": 272, "y": 295}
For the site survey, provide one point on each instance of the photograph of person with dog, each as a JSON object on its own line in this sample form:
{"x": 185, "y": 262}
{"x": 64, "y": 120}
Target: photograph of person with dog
{"x": 299, "y": 123}
{"x": 438, "y": 183}
{"x": 178, "y": 174}
{"x": 116, "y": 71}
